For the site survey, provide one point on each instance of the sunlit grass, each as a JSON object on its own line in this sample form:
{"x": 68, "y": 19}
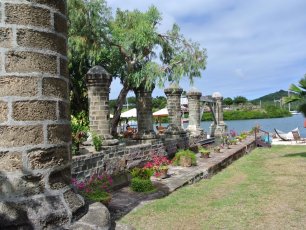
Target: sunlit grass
{"x": 263, "y": 190}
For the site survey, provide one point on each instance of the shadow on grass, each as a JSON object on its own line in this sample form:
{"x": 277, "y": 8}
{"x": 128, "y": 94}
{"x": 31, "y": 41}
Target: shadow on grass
{"x": 302, "y": 154}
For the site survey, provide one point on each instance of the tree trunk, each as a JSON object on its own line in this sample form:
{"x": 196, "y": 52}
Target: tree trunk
{"x": 118, "y": 107}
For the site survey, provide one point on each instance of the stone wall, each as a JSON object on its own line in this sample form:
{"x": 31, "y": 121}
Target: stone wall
{"x": 34, "y": 120}
{"x": 117, "y": 160}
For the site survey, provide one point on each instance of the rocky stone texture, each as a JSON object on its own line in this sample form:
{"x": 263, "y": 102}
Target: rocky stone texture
{"x": 173, "y": 94}
{"x": 194, "y": 125}
{"x": 98, "y": 81}
{"x": 144, "y": 113}
{"x": 35, "y": 134}
{"x": 97, "y": 218}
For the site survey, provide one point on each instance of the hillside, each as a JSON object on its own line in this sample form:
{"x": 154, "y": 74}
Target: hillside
{"x": 271, "y": 97}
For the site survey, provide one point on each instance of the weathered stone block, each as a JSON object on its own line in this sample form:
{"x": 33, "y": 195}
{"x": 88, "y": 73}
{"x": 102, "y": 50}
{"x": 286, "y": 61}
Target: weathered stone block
{"x": 15, "y": 86}
{"x": 41, "y": 40}
{"x": 64, "y": 68}
{"x": 55, "y": 87}
{"x": 60, "y": 179}
{"x": 56, "y": 4}
{"x": 25, "y": 14}
{"x": 34, "y": 110}
{"x": 26, "y": 185}
{"x": 6, "y": 37}
{"x": 60, "y": 24}
{"x": 26, "y": 62}
{"x": 48, "y": 158}
{"x": 73, "y": 200}
{"x": 59, "y": 134}
{"x": 64, "y": 110}
{"x": 14, "y": 136}
{"x": 10, "y": 161}
{"x": 3, "y": 111}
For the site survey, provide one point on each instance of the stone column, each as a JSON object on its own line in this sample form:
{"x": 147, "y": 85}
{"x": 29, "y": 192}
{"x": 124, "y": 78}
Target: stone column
{"x": 35, "y": 134}
{"x": 194, "y": 126}
{"x": 173, "y": 94}
{"x": 98, "y": 81}
{"x": 144, "y": 113}
{"x": 219, "y": 128}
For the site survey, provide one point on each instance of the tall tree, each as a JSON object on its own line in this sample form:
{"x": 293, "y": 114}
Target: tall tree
{"x": 298, "y": 94}
{"x": 240, "y": 100}
{"x": 129, "y": 47}
{"x": 136, "y": 36}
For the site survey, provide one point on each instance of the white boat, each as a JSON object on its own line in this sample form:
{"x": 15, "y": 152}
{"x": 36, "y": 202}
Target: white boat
{"x": 295, "y": 112}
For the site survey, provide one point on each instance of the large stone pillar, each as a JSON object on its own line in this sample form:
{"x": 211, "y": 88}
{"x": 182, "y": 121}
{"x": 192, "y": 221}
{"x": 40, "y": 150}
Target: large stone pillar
{"x": 35, "y": 134}
{"x": 98, "y": 81}
{"x": 219, "y": 128}
{"x": 173, "y": 94}
{"x": 194, "y": 106}
{"x": 144, "y": 113}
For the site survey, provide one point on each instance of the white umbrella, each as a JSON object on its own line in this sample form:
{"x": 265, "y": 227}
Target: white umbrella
{"x": 161, "y": 113}
{"x": 129, "y": 113}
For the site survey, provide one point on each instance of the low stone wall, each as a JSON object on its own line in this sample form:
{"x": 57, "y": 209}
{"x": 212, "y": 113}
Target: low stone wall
{"x": 117, "y": 160}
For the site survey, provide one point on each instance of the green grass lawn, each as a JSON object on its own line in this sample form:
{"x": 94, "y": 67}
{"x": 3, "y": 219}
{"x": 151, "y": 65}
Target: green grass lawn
{"x": 263, "y": 190}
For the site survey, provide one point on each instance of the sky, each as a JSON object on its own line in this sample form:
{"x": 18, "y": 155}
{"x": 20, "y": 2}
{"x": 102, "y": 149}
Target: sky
{"x": 254, "y": 47}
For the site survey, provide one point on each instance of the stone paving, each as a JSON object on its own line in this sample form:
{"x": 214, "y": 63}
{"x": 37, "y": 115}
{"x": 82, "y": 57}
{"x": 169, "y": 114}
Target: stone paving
{"x": 125, "y": 200}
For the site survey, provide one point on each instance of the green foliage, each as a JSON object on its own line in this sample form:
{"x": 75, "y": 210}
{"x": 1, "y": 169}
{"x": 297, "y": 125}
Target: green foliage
{"x": 97, "y": 142}
{"x": 203, "y": 150}
{"x": 228, "y": 101}
{"x": 98, "y": 196}
{"x": 298, "y": 94}
{"x": 141, "y": 185}
{"x": 270, "y": 111}
{"x": 240, "y": 100}
{"x": 187, "y": 153}
{"x": 142, "y": 173}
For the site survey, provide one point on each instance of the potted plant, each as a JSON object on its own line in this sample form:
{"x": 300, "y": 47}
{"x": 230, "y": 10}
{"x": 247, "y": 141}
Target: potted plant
{"x": 160, "y": 166}
{"x": 140, "y": 181}
{"x": 95, "y": 189}
{"x": 204, "y": 152}
{"x": 77, "y": 138}
{"x": 217, "y": 149}
{"x": 185, "y": 158}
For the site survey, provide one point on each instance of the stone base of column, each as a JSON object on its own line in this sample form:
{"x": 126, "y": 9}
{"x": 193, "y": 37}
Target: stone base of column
{"x": 218, "y": 130}
{"x": 108, "y": 140}
{"x": 196, "y": 132}
{"x": 145, "y": 135}
{"x": 174, "y": 130}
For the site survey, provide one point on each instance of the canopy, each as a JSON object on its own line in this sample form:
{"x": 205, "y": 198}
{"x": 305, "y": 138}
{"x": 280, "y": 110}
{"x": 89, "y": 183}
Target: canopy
{"x": 129, "y": 113}
{"x": 161, "y": 113}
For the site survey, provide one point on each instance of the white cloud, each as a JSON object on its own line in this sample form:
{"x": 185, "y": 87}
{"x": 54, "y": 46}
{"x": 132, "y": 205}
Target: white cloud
{"x": 254, "y": 47}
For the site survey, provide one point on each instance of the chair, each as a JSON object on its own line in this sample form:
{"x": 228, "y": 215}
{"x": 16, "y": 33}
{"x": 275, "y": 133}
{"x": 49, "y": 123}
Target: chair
{"x": 297, "y": 137}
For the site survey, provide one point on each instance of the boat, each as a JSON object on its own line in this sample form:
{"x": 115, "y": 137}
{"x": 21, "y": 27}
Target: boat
{"x": 294, "y": 112}
{"x": 286, "y": 136}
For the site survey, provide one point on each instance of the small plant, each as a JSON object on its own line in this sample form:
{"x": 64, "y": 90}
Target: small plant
{"x": 233, "y": 141}
{"x": 185, "y": 155}
{"x": 96, "y": 188}
{"x": 97, "y": 142}
{"x": 204, "y": 152}
{"x": 217, "y": 149}
{"x": 159, "y": 164}
{"x": 140, "y": 181}
{"x": 233, "y": 133}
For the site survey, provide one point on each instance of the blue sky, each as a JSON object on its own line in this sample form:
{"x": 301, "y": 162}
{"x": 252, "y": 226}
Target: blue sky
{"x": 253, "y": 47}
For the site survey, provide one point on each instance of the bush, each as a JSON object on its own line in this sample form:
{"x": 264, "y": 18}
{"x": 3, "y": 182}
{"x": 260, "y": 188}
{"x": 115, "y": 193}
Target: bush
{"x": 141, "y": 185}
{"x": 187, "y": 153}
{"x": 97, "y": 142}
{"x": 142, "y": 173}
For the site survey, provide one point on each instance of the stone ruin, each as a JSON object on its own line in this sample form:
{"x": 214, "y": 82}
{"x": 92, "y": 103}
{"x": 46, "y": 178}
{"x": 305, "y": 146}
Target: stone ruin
{"x": 35, "y": 133}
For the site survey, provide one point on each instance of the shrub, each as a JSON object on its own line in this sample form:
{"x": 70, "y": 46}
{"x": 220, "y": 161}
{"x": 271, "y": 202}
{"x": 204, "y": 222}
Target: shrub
{"x": 97, "y": 142}
{"x": 96, "y": 188}
{"x": 158, "y": 164}
{"x": 141, "y": 185}
{"x": 142, "y": 173}
{"x": 187, "y": 153}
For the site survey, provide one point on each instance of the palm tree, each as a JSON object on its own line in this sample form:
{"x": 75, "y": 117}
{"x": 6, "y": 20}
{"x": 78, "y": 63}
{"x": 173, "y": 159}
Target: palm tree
{"x": 299, "y": 94}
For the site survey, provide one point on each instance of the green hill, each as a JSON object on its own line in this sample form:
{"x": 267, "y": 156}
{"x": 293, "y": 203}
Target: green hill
{"x": 271, "y": 97}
